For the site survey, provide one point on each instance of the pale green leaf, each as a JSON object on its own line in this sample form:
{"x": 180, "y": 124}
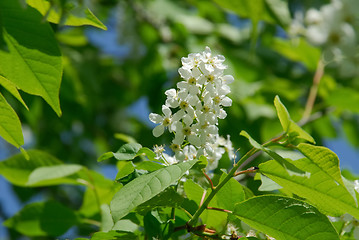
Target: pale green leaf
{"x": 282, "y": 113}
{"x": 146, "y": 187}
{"x": 288, "y": 125}
{"x": 33, "y": 61}
{"x": 106, "y": 218}
{"x": 42, "y": 219}
{"x": 17, "y": 168}
{"x": 11, "y": 87}
{"x": 285, "y": 218}
{"x": 10, "y": 126}
{"x": 77, "y": 16}
{"x": 319, "y": 188}
{"x": 44, "y": 176}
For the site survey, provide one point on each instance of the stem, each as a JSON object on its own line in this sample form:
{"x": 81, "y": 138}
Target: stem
{"x": 249, "y": 170}
{"x": 313, "y": 91}
{"x": 199, "y": 211}
{"x": 219, "y": 209}
{"x": 208, "y": 179}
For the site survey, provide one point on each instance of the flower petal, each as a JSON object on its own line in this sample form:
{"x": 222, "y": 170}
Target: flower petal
{"x": 154, "y": 117}
{"x": 158, "y": 130}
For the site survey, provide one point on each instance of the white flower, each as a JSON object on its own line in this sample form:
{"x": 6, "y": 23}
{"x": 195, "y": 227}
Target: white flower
{"x": 158, "y": 150}
{"x": 164, "y": 121}
{"x": 197, "y": 103}
{"x": 172, "y": 98}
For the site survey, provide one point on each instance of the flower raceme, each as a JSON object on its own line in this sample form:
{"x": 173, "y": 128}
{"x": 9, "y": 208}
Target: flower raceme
{"x": 191, "y": 111}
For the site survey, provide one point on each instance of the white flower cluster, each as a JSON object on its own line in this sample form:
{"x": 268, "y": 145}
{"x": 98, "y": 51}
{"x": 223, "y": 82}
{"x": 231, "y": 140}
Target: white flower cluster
{"x": 334, "y": 27}
{"x": 192, "y": 110}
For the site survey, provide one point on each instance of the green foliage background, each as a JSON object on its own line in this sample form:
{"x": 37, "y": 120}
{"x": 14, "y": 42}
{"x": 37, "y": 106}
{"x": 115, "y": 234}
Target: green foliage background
{"x": 85, "y": 93}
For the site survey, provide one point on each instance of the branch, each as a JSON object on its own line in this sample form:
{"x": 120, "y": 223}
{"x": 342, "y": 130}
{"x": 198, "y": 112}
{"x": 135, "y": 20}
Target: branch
{"x": 313, "y": 91}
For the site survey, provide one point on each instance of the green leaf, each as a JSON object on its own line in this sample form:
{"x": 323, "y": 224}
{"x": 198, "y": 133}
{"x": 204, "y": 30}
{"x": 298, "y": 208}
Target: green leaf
{"x": 268, "y": 184}
{"x": 10, "y": 125}
{"x": 202, "y": 163}
{"x": 279, "y": 10}
{"x": 324, "y": 158}
{"x": 285, "y": 218}
{"x": 13, "y": 89}
{"x": 301, "y": 51}
{"x": 146, "y": 187}
{"x": 230, "y": 194}
{"x": 124, "y": 169}
{"x": 148, "y": 153}
{"x": 193, "y": 191}
{"x": 50, "y": 175}
{"x": 17, "y": 168}
{"x": 344, "y": 99}
{"x": 168, "y": 198}
{"x": 42, "y": 219}
{"x": 114, "y": 235}
{"x": 282, "y": 113}
{"x": 285, "y": 163}
{"x": 101, "y": 192}
{"x": 319, "y": 188}
{"x": 78, "y": 16}
{"x": 289, "y": 126}
{"x": 33, "y": 62}
{"x": 127, "y": 151}
{"x": 149, "y": 166}
{"x": 152, "y": 226}
{"x": 106, "y": 218}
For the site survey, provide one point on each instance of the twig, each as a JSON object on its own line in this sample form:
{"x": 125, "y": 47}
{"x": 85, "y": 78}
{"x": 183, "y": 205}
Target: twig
{"x": 313, "y": 91}
{"x": 208, "y": 179}
{"x": 203, "y": 196}
{"x": 249, "y": 170}
{"x": 219, "y": 209}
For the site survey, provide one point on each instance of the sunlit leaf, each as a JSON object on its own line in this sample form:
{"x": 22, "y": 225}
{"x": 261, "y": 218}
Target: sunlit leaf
{"x": 106, "y": 218}
{"x": 230, "y": 194}
{"x": 10, "y": 126}
{"x": 44, "y": 175}
{"x": 77, "y": 16}
{"x": 33, "y": 62}
{"x": 146, "y": 187}
{"x": 324, "y": 158}
{"x": 289, "y": 126}
{"x": 17, "y": 168}
{"x": 42, "y": 219}
{"x": 285, "y": 218}
{"x": 319, "y": 188}
{"x": 11, "y": 87}
{"x": 124, "y": 169}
